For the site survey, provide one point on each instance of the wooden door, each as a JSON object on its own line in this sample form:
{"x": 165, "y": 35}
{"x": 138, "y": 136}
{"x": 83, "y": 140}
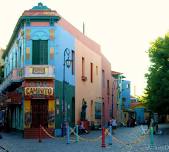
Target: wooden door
{"x": 39, "y": 113}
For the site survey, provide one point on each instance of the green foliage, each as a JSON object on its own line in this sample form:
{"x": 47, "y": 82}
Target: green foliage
{"x": 157, "y": 90}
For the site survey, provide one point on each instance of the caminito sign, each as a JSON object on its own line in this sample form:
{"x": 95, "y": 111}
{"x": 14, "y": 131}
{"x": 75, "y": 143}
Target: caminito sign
{"x": 47, "y": 91}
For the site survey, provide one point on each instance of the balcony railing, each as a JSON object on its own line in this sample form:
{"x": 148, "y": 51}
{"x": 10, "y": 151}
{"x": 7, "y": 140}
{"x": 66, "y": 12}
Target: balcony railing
{"x": 33, "y": 71}
{"x": 39, "y": 71}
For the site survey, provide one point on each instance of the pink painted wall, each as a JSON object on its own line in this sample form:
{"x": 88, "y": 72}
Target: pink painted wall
{"x": 90, "y": 50}
{"x": 106, "y": 66}
{"x": 85, "y": 89}
{"x": 79, "y": 35}
{"x": 114, "y": 92}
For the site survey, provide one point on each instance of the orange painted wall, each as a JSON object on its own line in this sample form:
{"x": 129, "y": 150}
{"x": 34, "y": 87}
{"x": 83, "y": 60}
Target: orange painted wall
{"x": 85, "y": 89}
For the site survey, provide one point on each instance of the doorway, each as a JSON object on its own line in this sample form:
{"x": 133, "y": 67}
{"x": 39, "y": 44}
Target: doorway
{"x": 39, "y": 113}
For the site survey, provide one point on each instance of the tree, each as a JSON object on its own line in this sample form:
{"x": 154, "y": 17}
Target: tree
{"x": 157, "y": 90}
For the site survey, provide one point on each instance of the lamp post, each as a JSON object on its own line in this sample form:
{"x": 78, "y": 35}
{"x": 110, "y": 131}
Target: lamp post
{"x": 67, "y": 63}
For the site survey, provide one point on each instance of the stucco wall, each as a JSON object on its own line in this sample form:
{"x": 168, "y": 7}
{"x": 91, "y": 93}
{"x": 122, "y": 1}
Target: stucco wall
{"x": 85, "y": 89}
{"x": 106, "y": 66}
{"x": 114, "y": 96}
{"x": 126, "y": 93}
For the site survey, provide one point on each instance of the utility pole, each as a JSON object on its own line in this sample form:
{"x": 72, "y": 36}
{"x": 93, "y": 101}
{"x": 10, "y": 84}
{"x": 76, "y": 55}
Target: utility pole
{"x": 83, "y": 28}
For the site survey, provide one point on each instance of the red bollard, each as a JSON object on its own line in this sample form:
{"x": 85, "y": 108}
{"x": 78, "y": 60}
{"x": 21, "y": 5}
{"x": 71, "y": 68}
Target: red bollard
{"x": 103, "y": 137}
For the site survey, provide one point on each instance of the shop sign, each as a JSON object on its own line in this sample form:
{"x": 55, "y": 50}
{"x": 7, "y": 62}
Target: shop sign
{"x": 47, "y": 91}
{"x": 38, "y": 70}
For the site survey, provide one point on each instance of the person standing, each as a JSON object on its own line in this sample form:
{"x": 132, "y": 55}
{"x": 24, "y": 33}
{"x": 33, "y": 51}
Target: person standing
{"x": 148, "y": 123}
{"x": 114, "y": 123}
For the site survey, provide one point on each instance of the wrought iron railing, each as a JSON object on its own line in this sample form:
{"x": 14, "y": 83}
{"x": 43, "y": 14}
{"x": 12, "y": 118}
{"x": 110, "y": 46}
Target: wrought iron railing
{"x": 32, "y": 71}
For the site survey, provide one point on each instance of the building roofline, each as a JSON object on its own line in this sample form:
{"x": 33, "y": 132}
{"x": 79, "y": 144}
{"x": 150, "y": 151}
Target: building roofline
{"x": 20, "y": 23}
{"x": 116, "y": 73}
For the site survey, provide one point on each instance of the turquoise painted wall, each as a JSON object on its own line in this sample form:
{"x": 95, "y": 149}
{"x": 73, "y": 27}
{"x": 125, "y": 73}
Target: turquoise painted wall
{"x": 63, "y": 40}
{"x": 139, "y": 115}
{"x": 14, "y": 52}
{"x": 126, "y": 93}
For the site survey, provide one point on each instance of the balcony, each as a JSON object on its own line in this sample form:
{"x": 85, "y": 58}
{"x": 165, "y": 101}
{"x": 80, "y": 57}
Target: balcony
{"x": 28, "y": 72}
{"x": 39, "y": 72}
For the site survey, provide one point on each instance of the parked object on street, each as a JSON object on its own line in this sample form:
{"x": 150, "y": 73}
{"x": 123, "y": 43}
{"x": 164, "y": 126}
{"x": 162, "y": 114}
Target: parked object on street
{"x": 82, "y": 129}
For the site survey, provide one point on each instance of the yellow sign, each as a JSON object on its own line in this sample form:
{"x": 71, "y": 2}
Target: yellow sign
{"x": 48, "y": 91}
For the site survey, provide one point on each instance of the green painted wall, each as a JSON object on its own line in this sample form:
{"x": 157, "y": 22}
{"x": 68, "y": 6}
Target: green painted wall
{"x": 69, "y": 96}
{"x": 17, "y": 118}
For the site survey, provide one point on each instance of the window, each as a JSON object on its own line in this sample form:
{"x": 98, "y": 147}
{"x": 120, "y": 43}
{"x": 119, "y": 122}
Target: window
{"x": 103, "y": 78}
{"x": 128, "y": 86}
{"x": 20, "y": 55}
{"x": 16, "y": 61}
{"x": 91, "y": 72}
{"x": 39, "y": 52}
{"x": 108, "y": 88}
{"x": 91, "y": 112}
{"x": 73, "y": 62}
{"x": 83, "y": 66}
{"x": 96, "y": 70}
{"x": 123, "y": 102}
{"x": 98, "y": 107}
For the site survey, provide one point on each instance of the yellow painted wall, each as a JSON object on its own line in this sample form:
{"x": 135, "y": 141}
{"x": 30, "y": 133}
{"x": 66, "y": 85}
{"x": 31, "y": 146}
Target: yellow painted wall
{"x": 27, "y": 106}
{"x": 27, "y": 114}
{"x": 51, "y": 113}
{"x": 85, "y": 89}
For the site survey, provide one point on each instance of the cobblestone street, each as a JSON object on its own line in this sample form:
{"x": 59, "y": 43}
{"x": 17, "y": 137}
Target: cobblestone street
{"x": 14, "y": 142}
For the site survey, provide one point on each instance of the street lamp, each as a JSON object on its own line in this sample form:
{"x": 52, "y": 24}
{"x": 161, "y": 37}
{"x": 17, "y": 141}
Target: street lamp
{"x": 67, "y": 63}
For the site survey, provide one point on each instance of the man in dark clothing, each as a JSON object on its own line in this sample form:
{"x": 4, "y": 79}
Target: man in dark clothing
{"x": 148, "y": 122}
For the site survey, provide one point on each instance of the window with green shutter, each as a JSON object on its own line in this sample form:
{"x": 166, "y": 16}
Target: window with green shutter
{"x": 39, "y": 52}
{"x": 98, "y": 107}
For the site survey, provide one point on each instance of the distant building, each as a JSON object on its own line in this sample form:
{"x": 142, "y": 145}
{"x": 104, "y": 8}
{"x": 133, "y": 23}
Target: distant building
{"x": 126, "y": 94}
{"x": 117, "y": 78}
{"x": 121, "y": 98}
{"x": 141, "y": 112}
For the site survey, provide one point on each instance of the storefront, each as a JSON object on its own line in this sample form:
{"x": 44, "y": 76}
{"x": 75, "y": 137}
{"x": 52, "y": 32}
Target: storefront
{"x": 39, "y": 106}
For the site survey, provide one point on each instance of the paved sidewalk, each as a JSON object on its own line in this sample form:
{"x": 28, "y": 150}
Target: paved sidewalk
{"x": 14, "y": 142}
